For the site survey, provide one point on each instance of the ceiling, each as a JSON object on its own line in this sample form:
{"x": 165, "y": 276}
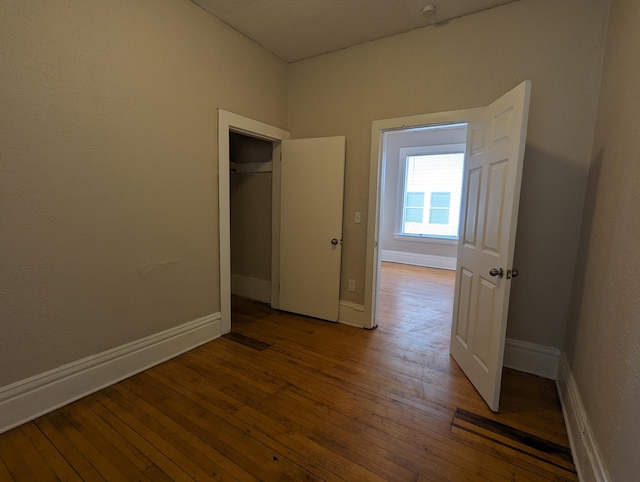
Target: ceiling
{"x": 298, "y": 29}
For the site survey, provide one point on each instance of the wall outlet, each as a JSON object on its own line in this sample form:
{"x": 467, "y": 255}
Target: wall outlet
{"x": 352, "y": 285}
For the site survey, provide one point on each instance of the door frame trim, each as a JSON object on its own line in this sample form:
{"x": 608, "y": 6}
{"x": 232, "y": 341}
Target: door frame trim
{"x": 230, "y": 122}
{"x": 376, "y": 169}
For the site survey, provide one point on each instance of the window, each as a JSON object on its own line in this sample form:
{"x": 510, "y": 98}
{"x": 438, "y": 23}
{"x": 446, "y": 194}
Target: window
{"x": 432, "y": 188}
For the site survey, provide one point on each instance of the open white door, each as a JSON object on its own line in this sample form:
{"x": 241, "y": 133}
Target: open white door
{"x": 312, "y": 191}
{"x": 490, "y": 197}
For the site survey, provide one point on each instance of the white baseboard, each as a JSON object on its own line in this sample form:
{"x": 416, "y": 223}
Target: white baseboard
{"x": 416, "y": 259}
{"x": 584, "y": 448}
{"x": 27, "y": 399}
{"x": 351, "y": 314}
{"x": 531, "y": 358}
{"x": 251, "y": 288}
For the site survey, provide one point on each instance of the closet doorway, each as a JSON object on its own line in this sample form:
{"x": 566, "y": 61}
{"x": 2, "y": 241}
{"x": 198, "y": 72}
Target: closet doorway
{"x": 306, "y": 222}
{"x": 228, "y": 125}
{"x": 300, "y": 197}
{"x": 251, "y": 216}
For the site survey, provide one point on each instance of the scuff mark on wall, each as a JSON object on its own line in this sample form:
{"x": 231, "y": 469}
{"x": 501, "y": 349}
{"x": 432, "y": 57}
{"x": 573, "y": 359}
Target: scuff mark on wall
{"x": 151, "y": 266}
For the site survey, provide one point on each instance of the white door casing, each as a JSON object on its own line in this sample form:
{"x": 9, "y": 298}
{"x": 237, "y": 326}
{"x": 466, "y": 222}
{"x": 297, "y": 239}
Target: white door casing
{"x": 228, "y": 122}
{"x": 312, "y": 192}
{"x": 489, "y": 215}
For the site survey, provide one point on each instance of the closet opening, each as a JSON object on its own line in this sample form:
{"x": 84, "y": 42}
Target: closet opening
{"x": 251, "y": 203}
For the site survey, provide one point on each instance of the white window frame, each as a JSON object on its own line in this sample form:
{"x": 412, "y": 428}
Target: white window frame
{"x": 402, "y": 174}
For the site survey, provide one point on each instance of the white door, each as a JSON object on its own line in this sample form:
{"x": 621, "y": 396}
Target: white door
{"x": 312, "y": 189}
{"x": 491, "y": 194}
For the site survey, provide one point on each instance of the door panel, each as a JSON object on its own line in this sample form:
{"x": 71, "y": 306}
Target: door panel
{"x": 485, "y": 322}
{"x": 471, "y": 207}
{"x": 312, "y": 189}
{"x": 476, "y": 139}
{"x": 491, "y": 190}
{"x": 464, "y": 289}
{"x": 495, "y": 201}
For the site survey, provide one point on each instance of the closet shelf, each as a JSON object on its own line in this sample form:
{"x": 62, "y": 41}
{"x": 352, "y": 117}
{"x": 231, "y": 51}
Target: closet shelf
{"x": 240, "y": 167}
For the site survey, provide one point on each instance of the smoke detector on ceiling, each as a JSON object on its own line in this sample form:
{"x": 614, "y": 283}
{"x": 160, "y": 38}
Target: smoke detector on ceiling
{"x": 428, "y": 10}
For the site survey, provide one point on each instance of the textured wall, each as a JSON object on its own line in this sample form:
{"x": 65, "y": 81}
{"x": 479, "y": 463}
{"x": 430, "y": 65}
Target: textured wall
{"x": 108, "y": 169}
{"x": 603, "y": 342}
{"x": 468, "y": 63}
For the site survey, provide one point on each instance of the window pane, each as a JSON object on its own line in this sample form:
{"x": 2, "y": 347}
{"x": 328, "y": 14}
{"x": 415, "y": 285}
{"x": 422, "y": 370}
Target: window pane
{"x": 439, "y": 216}
{"x": 440, "y": 199}
{"x": 413, "y": 215}
{"x": 415, "y": 199}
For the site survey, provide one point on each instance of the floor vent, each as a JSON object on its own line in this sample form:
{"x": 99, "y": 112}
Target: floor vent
{"x": 247, "y": 341}
{"x": 514, "y": 445}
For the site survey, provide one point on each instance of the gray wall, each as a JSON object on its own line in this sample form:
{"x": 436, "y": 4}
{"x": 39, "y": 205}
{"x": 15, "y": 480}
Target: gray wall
{"x": 603, "y": 338}
{"x": 108, "y": 169}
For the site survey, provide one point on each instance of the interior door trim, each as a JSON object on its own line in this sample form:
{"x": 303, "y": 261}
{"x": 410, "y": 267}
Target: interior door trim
{"x": 230, "y": 122}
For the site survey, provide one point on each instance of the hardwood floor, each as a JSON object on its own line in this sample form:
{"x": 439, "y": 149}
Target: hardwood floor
{"x": 285, "y": 397}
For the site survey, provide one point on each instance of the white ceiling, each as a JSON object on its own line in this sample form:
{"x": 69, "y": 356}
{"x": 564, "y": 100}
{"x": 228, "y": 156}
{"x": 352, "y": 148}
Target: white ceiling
{"x": 298, "y": 29}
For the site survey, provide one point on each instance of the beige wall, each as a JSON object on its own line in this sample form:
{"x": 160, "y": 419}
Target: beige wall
{"x": 108, "y": 174}
{"x": 468, "y": 63}
{"x": 603, "y": 342}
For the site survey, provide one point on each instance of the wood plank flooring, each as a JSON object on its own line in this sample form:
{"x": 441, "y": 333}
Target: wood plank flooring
{"x": 290, "y": 398}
